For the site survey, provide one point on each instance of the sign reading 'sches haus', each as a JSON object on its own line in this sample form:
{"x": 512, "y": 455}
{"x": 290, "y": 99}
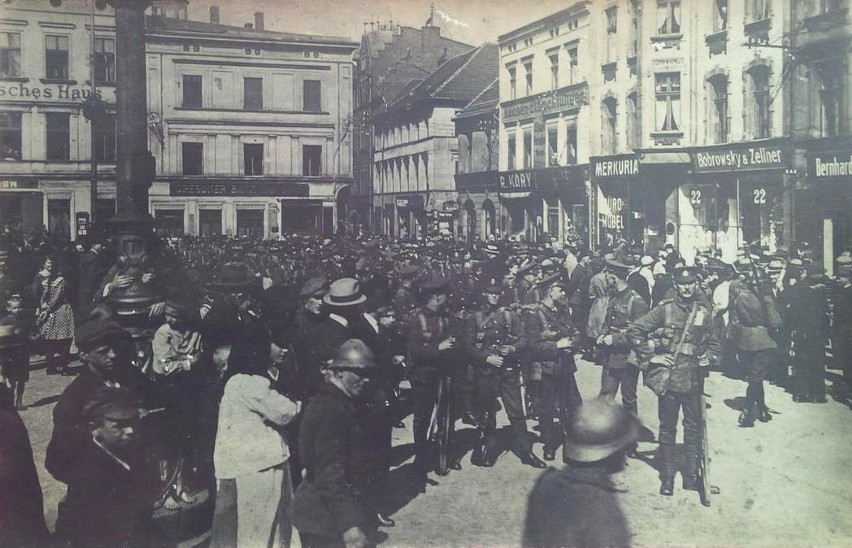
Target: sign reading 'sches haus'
{"x": 742, "y": 157}
{"x": 549, "y": 102}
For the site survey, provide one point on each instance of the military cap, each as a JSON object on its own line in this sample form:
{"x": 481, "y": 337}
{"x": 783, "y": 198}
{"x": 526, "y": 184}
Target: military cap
{"x": 844, "y": 271}
{"x": 115, "y": 404}
{"x": 492, "y": 288}
{"x": 491, "y": 249}
{"x": 617, "y": 268}
{"x": 408, "y": 270}
{"x": 685, "y": 275}
{"x": 554, "y": 280}
{"x": 436, "y": 285}
{"x": 314, "y": 287}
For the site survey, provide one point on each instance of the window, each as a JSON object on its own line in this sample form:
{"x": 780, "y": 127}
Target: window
{"x": 571, "y": 145}
{"x": 253, "y": 158}
{"x": 513, "y": 82}
{"x": 528, "y": 148}
{"x": 554, "y": 71}
{"x": 668, "y": 16}
{"x": 668, "y": 101}
{"x": 253, "y": 93}
{"x": 10, "y": 135}
{"x": 59, "y": 218}
{"x": 10, "y": 54}
{"x": 833, "y": 98}
{"x": 718, "y": 118}
{"x": 830, "y": 6}
{"x": 612, "y": 20}
{"x": 103, "y": 129}
{"x": 759, "y": 10}
{"x": 572, "y": 65}
{"x": 311, "y": 160}
{"x": 552, "y": 146}
{"x": 58, "y": 136}
{"x": 56, "y": 57}
{"x": 634, "y": 121}
{"x": 210, "y": 222}
{"x": 512, "y": 152}
{"x": 528, "y": 77}
{"x": 193, "y": 158}
{"x": 192, "y": 90}
{"x": 720, "y": 15}
{"x": 104, "y": 60}
{"x": 759, "y": 112}
{"x": 169, "y": 222}
{"x": 610, "y": 118}
{"x": 313, "y": 96}
{"x": 250, "y": 223}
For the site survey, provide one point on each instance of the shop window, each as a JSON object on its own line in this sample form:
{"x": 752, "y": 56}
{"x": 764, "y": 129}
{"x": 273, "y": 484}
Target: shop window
{"x": 169, "y": 222}
{"x": 608, "y": 125}
{"x": 512, "y": 151}
{"x": 193, "y": 158}
{"x": 758, "y": 109}
{"x": 553, "y": 217}
{"x": 720, "y": 15}
{"x": 668, "y": 17}
{"x": 552, "y": 146}
{"x": 312, "y": 160}
{"x": 10, "y": 54}
{"x": 56, "y": 57}
{"x": 554, "y": 71}
{"x": 470, "y": 214}
{"x": 668, "y": 101}
{"x": 59, "y": 218}
{"x": 833, "y": 98}
{"x": 253, "y": 93}
{"x": 758, "y": 10}
{"x": 250, "y": 223}
{"x": 571, "y": 145}
{"x": 718, "y": 105}
{"x": 10, "y": 135}
{"x": 104, "y": 60}
{"x": 528, "y": 77}
{"x": 312, "y": 99}
{"x": 192, "y": 96}
{"x": 513, "y": 82}
{"x": 253, "y": 158}
{"x": 572, "y": 65}
{"x": 528, "y": 148}
{"x": 634, "y": 121}
{"x": 58, "y": 133}
{"x": 104, "y": 138}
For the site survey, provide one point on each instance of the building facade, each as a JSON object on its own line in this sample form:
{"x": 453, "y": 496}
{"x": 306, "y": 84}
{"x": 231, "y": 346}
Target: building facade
{"x": 47, "y": 143}
{"x": 252, "y": 129}
{"x": 546, "y": 125}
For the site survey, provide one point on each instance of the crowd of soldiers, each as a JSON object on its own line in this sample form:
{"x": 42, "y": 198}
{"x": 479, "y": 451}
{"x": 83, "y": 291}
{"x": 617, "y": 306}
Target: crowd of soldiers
{"x": 457, "y": 331}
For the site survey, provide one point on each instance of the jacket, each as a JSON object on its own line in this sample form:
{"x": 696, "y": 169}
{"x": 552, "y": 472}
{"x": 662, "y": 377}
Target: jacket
{"x": 543, "y": 327}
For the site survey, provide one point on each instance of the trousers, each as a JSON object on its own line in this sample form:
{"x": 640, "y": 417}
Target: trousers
{"x": 628, "y": 378}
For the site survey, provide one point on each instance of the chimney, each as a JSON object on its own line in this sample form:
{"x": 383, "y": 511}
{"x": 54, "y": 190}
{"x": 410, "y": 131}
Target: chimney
{"x": 258, "y": 20}
{"x": 214, "y": 14}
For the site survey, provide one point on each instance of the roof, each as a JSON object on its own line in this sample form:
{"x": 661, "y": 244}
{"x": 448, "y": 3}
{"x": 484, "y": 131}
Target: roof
{"x": 201, "y": 29}
{"x": 485, "y": 102}
{"x": 577, "y": 9}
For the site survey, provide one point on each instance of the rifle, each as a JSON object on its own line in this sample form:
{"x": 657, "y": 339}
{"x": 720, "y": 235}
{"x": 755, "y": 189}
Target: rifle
{"x": 705, "y": 488}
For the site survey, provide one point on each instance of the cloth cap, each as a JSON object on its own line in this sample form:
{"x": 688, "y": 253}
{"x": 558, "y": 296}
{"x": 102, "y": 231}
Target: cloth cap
{"x": 314, "y": 287}
{"x": 115, "y": 404}
{"x": 94, "y": 333}
{"x": 598, "y": 429}
{"x": 646, "y": 260}
{"x": 435, "y": 285}
{"x": 618, "y": 268}
{"x": 344, "y": 292}
{"x": 684, "y": 275}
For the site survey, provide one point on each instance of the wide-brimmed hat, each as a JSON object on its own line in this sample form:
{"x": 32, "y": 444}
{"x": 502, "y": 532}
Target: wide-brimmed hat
{"x": 233, "y": 275}
{"x": 344, "y": 292}
{"x": 114, "y": 404}
{"x": 598, "y": 429}
{"x": 618, "y": 268}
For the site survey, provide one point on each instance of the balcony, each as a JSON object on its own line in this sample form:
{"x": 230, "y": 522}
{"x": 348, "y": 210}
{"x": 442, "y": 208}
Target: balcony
{"x": 757, "y": 31}
{"x": 717, "y": 42}
{"x": 661, "y": 42}
{"x": 667, "y": 138}
{"x": 825, "y": 28}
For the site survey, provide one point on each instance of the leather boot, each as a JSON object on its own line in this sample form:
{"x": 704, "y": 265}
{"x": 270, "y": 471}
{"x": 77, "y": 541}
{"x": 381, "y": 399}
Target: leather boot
{"x": 477, "y": 458}
{"x": 523, "y": 446}
{"x": 690, "y": 467}
{"x": 666, "y": 468}
{"x": 746, "y": 418}
{"x": 763, "y": 414}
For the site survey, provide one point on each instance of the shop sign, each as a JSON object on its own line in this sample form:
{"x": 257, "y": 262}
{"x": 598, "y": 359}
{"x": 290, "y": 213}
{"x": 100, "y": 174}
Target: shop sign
{"x": 516, "y": 181}
{"x": 402, "y": 202}
{"x": 59, "y": 92}
{"x": 12, "y": 184}
{"x": 549, "y": 102}
{"x": 233, "y": 188}
{"x": 830, "y": 165}
{"x": 742, "y": 157}
{"x": 616, "y": 167}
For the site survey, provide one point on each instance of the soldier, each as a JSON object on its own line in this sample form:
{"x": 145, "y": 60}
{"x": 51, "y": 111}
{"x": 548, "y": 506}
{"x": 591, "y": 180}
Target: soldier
{"x": 405, "y": 299}
{"x": 551, "y": 337}
{"x": 430, "y": 346}
{"x": 619, "y": 360}
{"x": 687, "y": 345}
{"x": 494, "y": 340}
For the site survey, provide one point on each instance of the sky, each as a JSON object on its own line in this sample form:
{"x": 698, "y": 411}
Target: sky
{"x": 470, "y": 21}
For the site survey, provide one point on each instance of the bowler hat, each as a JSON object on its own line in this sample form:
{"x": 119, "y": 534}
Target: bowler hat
{"x": 344, "y": 292}
{"x": 598, "y": 429}
{"x": 314, "y": 287}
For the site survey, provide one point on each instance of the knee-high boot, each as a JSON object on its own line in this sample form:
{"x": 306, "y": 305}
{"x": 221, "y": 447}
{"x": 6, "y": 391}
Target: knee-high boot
{"x": 667, "y": 468}
{"x": 690, "y": 466}
{"x": 523, "y": 445}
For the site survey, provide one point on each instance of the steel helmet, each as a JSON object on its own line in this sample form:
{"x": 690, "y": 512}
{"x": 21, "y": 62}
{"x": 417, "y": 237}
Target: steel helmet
{"x": 598, "y": 429}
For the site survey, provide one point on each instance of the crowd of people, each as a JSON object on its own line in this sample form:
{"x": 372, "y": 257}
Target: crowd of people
{"x": 272, "y": 373}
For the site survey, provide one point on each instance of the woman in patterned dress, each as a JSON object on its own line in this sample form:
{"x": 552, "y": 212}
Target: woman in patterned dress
{"x": 54, "y": 317}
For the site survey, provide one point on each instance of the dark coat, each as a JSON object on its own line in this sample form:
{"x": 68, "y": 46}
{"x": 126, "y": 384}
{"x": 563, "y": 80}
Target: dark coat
{"x": 577, "y": 508}
{"x": 577, "y": 291}
{"x": 323, "y": 341}
{"x": 334, "y": 453}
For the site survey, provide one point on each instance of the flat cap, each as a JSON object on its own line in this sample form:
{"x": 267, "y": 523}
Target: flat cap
{"x": 314, "y": 287}
{"x": 115, "y": 404}
{"x": 436, "y": 284}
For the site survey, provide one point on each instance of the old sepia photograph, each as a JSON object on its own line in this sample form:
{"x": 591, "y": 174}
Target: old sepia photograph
{"x": 425, "y": 273}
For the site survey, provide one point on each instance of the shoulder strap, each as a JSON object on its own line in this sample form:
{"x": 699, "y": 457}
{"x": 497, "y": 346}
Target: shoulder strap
{"x": 422, "y": 318}
{"x": 686, "y": 327}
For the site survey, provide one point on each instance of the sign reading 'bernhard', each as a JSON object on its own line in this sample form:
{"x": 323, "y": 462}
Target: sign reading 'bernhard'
{"x": 742, "y": 157}
{"x": 830, "y": 165}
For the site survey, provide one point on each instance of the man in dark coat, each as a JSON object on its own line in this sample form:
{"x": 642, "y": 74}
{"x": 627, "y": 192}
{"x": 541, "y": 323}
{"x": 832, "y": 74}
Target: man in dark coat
{"x": 328, "y": 509}
{"x": 841, "y": 336}
{"x": 578, "y": 505}
{"x": 808, "y": 322}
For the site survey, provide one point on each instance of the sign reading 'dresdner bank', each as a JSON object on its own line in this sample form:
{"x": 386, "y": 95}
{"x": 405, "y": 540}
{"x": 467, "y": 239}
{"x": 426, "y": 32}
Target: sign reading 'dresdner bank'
{"x": 742, "y": 157}
{"x": 830, "y": 165}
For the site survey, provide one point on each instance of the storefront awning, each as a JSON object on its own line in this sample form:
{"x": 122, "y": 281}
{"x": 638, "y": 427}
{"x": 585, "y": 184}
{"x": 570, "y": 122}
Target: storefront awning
{"x": 669, "y": 157}
{"x": 513, "y": 195}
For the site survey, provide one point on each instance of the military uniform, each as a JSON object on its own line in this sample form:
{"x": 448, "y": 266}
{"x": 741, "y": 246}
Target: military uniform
{"x": 664, "y": 325}
{"x": 619, "y": 364}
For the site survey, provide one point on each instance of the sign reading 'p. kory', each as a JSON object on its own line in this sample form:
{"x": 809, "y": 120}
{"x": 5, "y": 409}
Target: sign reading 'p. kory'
{"x": 830, "y": 165}
{"x": 742, "y": 157}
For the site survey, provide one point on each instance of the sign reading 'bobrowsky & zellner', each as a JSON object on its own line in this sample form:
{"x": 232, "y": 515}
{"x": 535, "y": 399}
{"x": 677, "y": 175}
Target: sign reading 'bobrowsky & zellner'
{"x": 742, "y": 157}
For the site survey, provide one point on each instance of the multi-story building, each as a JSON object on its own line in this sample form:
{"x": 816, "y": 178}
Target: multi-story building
{"x": 251, "y": 128}
{"x": 821, "y": 118}
{"x": 390, "y": 57}
{"x": 51, "y": 60}
{"x": 416, "y": 149}
{"x": 547, "y": 124}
